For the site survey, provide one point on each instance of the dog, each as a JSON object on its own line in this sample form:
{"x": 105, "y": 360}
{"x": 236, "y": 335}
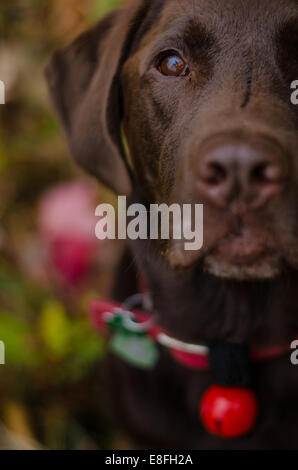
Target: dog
{"x": 201, "y": 91}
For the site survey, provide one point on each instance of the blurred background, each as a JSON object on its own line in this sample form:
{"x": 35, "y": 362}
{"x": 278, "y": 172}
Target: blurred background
{"x": 51, "y": 387}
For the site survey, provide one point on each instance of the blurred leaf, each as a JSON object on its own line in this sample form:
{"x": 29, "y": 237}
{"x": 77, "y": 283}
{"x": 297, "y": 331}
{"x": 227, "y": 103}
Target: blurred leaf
{"x": 16, "y": 337}
{"x": 87, "y": 344}
{"x": 54, "y": 328}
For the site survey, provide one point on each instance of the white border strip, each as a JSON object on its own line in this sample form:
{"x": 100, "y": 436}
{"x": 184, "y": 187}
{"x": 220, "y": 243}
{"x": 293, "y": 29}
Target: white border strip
{"x": 2, "y": 353}
{"x": 2, "y": 92}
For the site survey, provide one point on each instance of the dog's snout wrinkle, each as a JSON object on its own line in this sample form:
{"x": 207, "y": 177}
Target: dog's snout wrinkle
{"x": 248, "y": 90}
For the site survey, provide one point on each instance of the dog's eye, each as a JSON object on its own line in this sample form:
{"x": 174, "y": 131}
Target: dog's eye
{"x": 173, "y": 66}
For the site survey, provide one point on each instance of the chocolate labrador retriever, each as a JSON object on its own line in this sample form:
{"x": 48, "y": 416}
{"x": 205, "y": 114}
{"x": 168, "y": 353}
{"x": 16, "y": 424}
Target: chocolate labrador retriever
{"x": 201, "y": 89}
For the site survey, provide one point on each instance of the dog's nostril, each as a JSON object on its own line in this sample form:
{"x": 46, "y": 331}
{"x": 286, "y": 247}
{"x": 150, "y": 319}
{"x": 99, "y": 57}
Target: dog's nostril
{"x": 214, "y": 173}
{"x": 266, "y": 173}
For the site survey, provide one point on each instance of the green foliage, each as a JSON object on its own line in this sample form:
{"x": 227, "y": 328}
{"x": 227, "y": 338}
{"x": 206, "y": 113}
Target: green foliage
{"x": 38, "y": 331}
{"x": 16, "y": 333}
{"x": 53, "y": 356}
{"x": 54, "y": 329}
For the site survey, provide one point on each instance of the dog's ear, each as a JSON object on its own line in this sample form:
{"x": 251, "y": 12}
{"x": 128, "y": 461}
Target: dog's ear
{"x": 85, "y": 87}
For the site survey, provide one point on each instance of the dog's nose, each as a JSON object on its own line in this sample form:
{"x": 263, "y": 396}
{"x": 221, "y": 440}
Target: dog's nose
{"x": 238, "y": 172}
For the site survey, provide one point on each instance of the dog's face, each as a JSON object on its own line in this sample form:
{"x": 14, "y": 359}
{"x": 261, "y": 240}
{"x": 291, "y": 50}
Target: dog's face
{"x": 202, "y": 88}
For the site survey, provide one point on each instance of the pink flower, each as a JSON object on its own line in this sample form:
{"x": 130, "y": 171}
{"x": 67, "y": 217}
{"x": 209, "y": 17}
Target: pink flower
{"x": 67, "y": 226}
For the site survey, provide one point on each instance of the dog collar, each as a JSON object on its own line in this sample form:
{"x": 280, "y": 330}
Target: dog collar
{"x": 126, "y": 321}
{"x": 226, "y": 411}
{"x": 125, "y": 318}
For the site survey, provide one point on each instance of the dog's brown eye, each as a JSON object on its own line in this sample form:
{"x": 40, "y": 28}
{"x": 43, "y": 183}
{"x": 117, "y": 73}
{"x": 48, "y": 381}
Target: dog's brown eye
{"x": 173, "y": 66}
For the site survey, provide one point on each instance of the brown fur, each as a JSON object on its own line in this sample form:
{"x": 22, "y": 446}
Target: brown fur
{"x": 242, "y": 57}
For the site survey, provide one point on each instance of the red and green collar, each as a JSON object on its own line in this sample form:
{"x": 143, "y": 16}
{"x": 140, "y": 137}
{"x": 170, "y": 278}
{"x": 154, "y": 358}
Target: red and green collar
{"x": 126, "y": 320}
{"x": 226, "y": 411}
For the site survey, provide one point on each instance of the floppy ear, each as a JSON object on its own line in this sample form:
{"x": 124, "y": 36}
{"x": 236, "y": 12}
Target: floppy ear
{"x": 85, "y": 87}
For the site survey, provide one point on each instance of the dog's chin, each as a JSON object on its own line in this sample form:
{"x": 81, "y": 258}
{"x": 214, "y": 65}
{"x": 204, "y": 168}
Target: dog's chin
{"x": 242, "y": 257}
{"x": 263, "y": 268}
{"x": 250, "y": 255}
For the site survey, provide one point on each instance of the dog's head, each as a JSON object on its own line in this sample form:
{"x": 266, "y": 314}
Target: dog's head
{"x": 202, "y": 90}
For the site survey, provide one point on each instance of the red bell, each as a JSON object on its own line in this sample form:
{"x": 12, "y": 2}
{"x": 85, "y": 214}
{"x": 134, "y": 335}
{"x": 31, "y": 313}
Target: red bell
{"x": 228, "y": 412}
